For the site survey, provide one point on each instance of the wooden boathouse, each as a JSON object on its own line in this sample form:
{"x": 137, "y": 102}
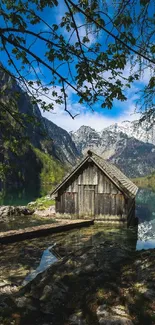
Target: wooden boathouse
{"x": 96, "y": 189}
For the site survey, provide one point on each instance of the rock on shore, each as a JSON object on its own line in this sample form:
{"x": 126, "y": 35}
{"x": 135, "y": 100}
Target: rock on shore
{"x": 6, "y": 211}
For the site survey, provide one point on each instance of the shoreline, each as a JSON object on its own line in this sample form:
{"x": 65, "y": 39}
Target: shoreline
{"x": 11, "y": 236}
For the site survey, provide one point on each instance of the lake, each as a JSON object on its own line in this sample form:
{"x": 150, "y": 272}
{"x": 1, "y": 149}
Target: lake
{"x": 23, "y": 196}
{"x": 145, "y": 205}
{"x": 22, "y": 261}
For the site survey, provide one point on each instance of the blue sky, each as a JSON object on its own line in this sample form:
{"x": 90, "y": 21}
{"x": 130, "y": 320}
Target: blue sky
{"x": 99, "y": 118}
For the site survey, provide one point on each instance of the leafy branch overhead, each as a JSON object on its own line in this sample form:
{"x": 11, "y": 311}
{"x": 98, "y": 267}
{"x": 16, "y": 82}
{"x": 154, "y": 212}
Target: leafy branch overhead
{"x": 86, "y": 51}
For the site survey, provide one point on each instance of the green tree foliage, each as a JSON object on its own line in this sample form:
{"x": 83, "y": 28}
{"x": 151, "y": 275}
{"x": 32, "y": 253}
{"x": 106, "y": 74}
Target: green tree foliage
{"x": 123, "y": 32}
{"x": 52, "y": 171}
{"x": 29, "y": 170}
{"x": 146, "y": 181}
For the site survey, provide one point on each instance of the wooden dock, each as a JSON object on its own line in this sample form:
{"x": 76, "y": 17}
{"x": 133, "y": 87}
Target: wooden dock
{"x": 42, "y": 230}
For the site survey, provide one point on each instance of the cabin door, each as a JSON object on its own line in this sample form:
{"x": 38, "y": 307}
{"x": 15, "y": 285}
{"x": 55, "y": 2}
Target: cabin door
{"x": 86, "y": 201}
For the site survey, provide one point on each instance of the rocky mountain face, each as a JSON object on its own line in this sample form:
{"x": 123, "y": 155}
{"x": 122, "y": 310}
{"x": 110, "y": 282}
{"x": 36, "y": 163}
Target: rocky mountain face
{"x": 105, "y": 143}
{"x": 42, "y": 134}
{"x": 65, "y": 148}
{"x": 135, "y": 158}
{"x": 141, "y": 131}
{"x": 20, "y": 164}
{"x": 129, "y": 145}
{"x": 30, "y": 124}
{"x": 85, "y": 138}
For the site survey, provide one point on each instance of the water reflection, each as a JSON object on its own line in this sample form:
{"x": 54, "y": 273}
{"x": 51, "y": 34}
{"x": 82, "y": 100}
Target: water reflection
{"x": 19, "y": 196}
{"x": 72, "y": 241}
{"x": 22, "y": 196}
{"x": 137, "y": 238}
{"x": 145, "y": 211}
{"x": 18, "y": 222}
{"x": 24, "y": 256}
{"x": 47, "y": 260}
{"x": 145, "y": 244}
{"x": 145, "y": 205}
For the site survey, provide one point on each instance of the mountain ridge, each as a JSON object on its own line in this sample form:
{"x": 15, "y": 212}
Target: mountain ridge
{"x": 143, "y": 131}
{"x": 21, "y": 166}
{"x": 134, "y": 157}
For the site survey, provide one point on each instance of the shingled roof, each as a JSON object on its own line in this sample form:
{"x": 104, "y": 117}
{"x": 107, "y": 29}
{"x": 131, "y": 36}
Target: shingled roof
{"x": 124, "y": 184}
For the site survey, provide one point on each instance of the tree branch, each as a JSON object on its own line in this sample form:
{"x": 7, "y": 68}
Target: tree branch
{"x": 111, "y": 34}
{"x": 12, "y": 42}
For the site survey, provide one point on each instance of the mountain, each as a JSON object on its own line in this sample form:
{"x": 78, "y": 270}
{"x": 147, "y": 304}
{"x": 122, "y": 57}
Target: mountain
{"x": 143, "y": 131}
{"x": 135, "y": 158}
{"x": 65, "y": 148}
{"x": 42, "y": 134}
{"x": 85, "y": 138}
{"x": 38, "y": 151}
{"x": 32, "y": 149}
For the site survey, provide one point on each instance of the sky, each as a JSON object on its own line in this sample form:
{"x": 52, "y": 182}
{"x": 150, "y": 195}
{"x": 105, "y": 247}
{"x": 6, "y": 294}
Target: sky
{"x": 97, "y": 118}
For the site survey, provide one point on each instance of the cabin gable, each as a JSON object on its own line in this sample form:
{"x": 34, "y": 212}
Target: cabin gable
{"x": 89, "y": 193}
{"x": 96, "y": 189}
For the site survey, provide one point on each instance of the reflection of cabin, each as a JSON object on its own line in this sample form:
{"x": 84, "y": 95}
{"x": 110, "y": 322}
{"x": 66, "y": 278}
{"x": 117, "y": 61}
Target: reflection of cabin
{"x": 96, "y": 189}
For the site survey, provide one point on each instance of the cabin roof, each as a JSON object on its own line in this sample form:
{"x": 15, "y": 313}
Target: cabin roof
{"x": 123, "y": 183}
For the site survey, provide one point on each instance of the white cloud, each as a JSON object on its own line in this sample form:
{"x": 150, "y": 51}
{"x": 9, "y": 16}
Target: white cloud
{"x": 145, "y": 74}
{"x": 80, "y": 23}
{"x": 96, "y": 120}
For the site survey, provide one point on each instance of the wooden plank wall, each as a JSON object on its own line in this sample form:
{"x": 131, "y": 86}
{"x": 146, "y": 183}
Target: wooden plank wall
{"x": 91, "y": 193}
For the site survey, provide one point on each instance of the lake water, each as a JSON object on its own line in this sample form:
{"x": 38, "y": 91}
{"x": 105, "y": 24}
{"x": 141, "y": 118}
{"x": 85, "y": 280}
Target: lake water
{"x": 23, "y": 196}
{"x": 145, "y": 200}
{"x": 145, "y": 205}
{"x": 22, "y": 261}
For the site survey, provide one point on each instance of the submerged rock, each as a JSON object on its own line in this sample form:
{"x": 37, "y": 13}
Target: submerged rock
{"x": 115, "y": 321}
{"x": 77, "y": 319}
{"x": 117, "y": 315}
{"x": 100, "y": 284}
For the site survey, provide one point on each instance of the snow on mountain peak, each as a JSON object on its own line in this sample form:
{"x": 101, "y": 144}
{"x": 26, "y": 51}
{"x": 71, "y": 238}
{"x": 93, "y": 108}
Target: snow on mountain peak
{"x": 143, "y": 132}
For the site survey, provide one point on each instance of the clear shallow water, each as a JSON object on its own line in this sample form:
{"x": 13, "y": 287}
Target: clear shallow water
{"x": 24, "y": 260}
{"x": 145, "y": 244}
{"x": 28, "y": 258}
{"x": 47, "y": 259}
{"x": 18, "y": 222}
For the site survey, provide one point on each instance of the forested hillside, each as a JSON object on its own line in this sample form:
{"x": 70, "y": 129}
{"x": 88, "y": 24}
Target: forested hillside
{"x": 29, "y": 156}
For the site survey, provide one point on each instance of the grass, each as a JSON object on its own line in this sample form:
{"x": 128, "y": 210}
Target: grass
{"x": 42, "y": 203}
